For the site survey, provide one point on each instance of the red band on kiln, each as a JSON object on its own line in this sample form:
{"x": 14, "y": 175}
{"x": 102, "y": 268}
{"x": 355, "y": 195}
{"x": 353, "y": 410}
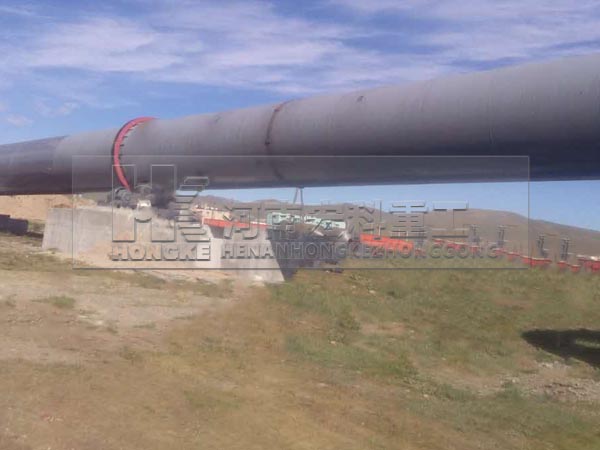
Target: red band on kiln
{"x": 116, "y": 150}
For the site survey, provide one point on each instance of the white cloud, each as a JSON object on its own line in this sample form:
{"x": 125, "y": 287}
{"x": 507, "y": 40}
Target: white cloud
{"x": 46, "y": 109}
{"x": 240, "y": 44}
{"x": 484, "y": 30}
{"x": 473, "y": 9}
{"x": 18, "y": 120}
{"x": 21, "y": 10}
{"x": 104, "y": 45}
{"x": 252, "y": 44}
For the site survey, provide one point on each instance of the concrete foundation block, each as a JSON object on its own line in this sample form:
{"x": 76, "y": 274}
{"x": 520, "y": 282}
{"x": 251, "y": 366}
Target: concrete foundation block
{"x": 112, "y": 238}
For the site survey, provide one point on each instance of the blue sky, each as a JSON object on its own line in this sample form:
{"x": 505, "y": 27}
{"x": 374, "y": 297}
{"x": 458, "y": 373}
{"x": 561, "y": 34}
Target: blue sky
{"x": 69, "y": 66}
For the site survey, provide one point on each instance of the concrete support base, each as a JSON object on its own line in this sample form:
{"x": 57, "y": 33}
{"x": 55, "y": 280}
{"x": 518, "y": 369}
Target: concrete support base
{"x": 119, "y": 238}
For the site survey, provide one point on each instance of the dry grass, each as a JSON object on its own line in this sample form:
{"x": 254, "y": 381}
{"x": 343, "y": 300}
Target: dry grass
{"x": 359, "y": 360}
{"x": 59, "y": 301}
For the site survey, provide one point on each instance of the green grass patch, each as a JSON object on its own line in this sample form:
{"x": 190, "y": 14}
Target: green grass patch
{"x": 129, "y": 354}
{"x": 59, "y": 301}
{"x": 11, "y": 260}
{"x": 472, "y": 320}
{"x": 390, "y": 364}
{"x": 408, "y": 326}
{"x": 148, "y": 280}
{"x": 211, "y": 401}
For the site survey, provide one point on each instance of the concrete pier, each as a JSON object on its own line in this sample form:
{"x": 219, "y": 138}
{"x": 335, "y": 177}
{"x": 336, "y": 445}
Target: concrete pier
{"x": 121, "y": 238}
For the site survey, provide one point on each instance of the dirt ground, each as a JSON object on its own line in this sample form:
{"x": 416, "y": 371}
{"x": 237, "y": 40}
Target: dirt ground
{"x": 103, "y": 360}
{"x": 33, "y": 207}
{"x": 129, "y": 360}
{"x": 109, "y": 309}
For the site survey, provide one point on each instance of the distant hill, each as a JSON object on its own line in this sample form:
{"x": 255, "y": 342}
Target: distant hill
{"x": 521, "y": 233}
